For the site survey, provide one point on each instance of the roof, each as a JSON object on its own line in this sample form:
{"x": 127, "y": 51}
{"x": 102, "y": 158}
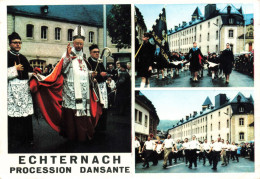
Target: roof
{"x": 201, "y": 18}
{"x": 91, "y": 15}
{"x": 141, "y": 98}
{"x": 233, "y": 10}
{"x": 197, "y": 12}
{"x": 248, "y": 18}
{"x": 207, "y": 102}
{"x": 209, "y": 110}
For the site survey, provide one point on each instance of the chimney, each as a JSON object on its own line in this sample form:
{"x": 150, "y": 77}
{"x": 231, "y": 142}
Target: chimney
{"x": 209, "y": 10}
{"x": 179, "y": 25}
{"x": 194, "y": 113}
{"x": 228, "y": 9}
{"x": 212, "y": 107}
{"x": 176, "y": 27}
{"x": 220, "y": 99}
{"x": 187, "y": 118}
{"x": 190, "y": 23}
{"x": 184, "y": 23}
{"x": 201, "y": 112}
{"x": 190, "y": 115}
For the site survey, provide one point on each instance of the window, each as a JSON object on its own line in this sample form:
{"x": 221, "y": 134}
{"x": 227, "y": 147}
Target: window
{"x": 200, "y": 39}
{"x": 231, "y": 20}
{"x": 136, "y": 115}
{"x": 207, "y": 48}
{"x": 227, "y": 136}
{"x": 208, "y": 37}
{"x": 208, "y": 24}
{"x": 217, "y": 21}
{"x": 227, "y": 123}
{"x": 200, "y": 27}
{"x": 241, "y": 109}
{"x": 227, "y": 110}
{"x": 91, "y": 37}
{"x": 140, "y": 117}
{"x": 216, "y": 48}
{"x": 211, "y": 127}
{"x": 219, "y": 113}
{"x": 70, "y": 32}
{"x": 241, "y": 121}
{"x": 210, "y": 137}
{"x": 57, "y": 33}
{"x": 241, "y": 136}
{"x": 29, "y": 30}
{"x": 44, "y": 30}
{"x": 211, "y": 116}
{"x": 146, "y": 121}
{"x": 230, "y": 33}
{"x": 218, "y": 125}
{"x": 216, "y": 35}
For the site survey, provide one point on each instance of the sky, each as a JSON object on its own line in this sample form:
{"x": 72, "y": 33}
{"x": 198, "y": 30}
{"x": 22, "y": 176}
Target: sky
{"x": 176, "y": 13}
{"x": 176, "y": 104}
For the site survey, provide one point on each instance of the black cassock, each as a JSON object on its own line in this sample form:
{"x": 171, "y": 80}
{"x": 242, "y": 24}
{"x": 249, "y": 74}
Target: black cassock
{"x": 100, "y": 68}
{"x": 227, "y": 60}
{"x": 194, "y": 59}
{"x": 145, "y": 59}
{"x": 214, "y": 60}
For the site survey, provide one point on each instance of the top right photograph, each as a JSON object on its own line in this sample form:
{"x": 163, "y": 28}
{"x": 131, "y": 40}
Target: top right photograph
{"x": 194, "y": 45}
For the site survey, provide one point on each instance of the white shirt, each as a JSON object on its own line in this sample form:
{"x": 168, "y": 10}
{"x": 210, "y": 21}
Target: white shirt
{"x": 229, "y": 147}
{"x": 205, "y": 146}
{"x": 217, "y": 146}
{"x": 137, "y": 144}
{"x": 158, "y": 148}
{"x": 186, "y": 145}
{"x": 168, "y": 143}
{"x": 194, "y": 144}
{"x": 224, "y": 146}
{"x": 233, "y": 147}
{"x": 149, "y": 145}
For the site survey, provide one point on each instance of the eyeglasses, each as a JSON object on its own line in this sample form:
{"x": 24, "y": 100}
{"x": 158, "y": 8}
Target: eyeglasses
{"x": 95, "y": 52}
{"x": 16, "y": 43}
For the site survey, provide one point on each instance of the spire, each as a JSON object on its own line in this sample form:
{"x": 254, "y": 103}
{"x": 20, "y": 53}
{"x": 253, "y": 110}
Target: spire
{"x": 207, "y": 102}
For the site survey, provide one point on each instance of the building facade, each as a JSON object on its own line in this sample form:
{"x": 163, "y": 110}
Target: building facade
{"x": 229, "y": 119}
{"x": 146, "y": 118}
{"x": 211, "y": 31}
{"x": 46, "y": 30}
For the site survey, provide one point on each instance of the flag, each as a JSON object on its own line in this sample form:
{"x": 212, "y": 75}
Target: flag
{"x": 159, "y": 33}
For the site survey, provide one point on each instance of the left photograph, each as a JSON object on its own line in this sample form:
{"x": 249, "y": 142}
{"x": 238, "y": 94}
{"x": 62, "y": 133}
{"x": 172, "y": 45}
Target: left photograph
{"x": 69, "y": 78}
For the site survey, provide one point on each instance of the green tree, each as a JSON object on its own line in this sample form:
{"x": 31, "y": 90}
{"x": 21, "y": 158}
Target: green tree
{"x": 119, "y": 25}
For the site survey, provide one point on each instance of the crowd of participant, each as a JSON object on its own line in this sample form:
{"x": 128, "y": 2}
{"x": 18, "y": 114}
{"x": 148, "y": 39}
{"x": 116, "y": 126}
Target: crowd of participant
{"x": 190, "y": 152}
{"x": 149, "y": 60}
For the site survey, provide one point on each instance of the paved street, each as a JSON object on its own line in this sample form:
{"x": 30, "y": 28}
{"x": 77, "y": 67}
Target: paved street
{"x": 244, "y": 165}
{"x": 183, "y": 80}
{"x": 116, "y": 138}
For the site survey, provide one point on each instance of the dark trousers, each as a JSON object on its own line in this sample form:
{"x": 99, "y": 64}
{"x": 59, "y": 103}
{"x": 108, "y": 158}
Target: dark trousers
{"x": 148, "y": 157}
{"x": 210, "y": 157}
{"x": 216, "y": 156}
{"x": 206, "y": 156}
{"x": 20, "y": 133}
{"x": 233, "y": 155}
{"x": 187, "y": 158}
{"x": 136, "y": 155}
{"x": 193, "y": 157}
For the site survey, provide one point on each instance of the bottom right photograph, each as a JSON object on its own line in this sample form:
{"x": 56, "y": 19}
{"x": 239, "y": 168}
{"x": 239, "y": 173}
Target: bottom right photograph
{"x": 194, "y": 131}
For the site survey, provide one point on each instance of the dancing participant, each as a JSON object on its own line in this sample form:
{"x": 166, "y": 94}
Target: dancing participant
{"x": 228, "y": 151}
{"x": 186, "y": 149}
{"x": 195, "y": 61}
{"x": 193, "y": 145}
{"x": 213, "y": 68}
{"x": 223, "y": 153}
{"x": 145, "y": 58}
{"x": 149, "y": 147}
{"x": 216, "y": 148}
{"x": 137, "y": 149}
{"x": 168, "y": 146}
{"x": 234, "y": 152}
{"x": 227, "y": 60}
{"x": 206, "y": 149}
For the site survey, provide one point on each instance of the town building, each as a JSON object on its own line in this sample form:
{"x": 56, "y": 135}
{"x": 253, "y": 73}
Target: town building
{"x": 140, "y": 27}
{"x": 231, "y": 120}
{"x": 47, "y": 30}
{"x": 212, "y": 31}
{"x": 146, "y": 118}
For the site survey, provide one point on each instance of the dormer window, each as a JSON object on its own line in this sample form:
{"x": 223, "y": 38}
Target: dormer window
{"x": 241, "y": 109}
{"x": 231, "y": 20}
{"x": 238, "y": 98}
{"x": 45, "y": 9}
